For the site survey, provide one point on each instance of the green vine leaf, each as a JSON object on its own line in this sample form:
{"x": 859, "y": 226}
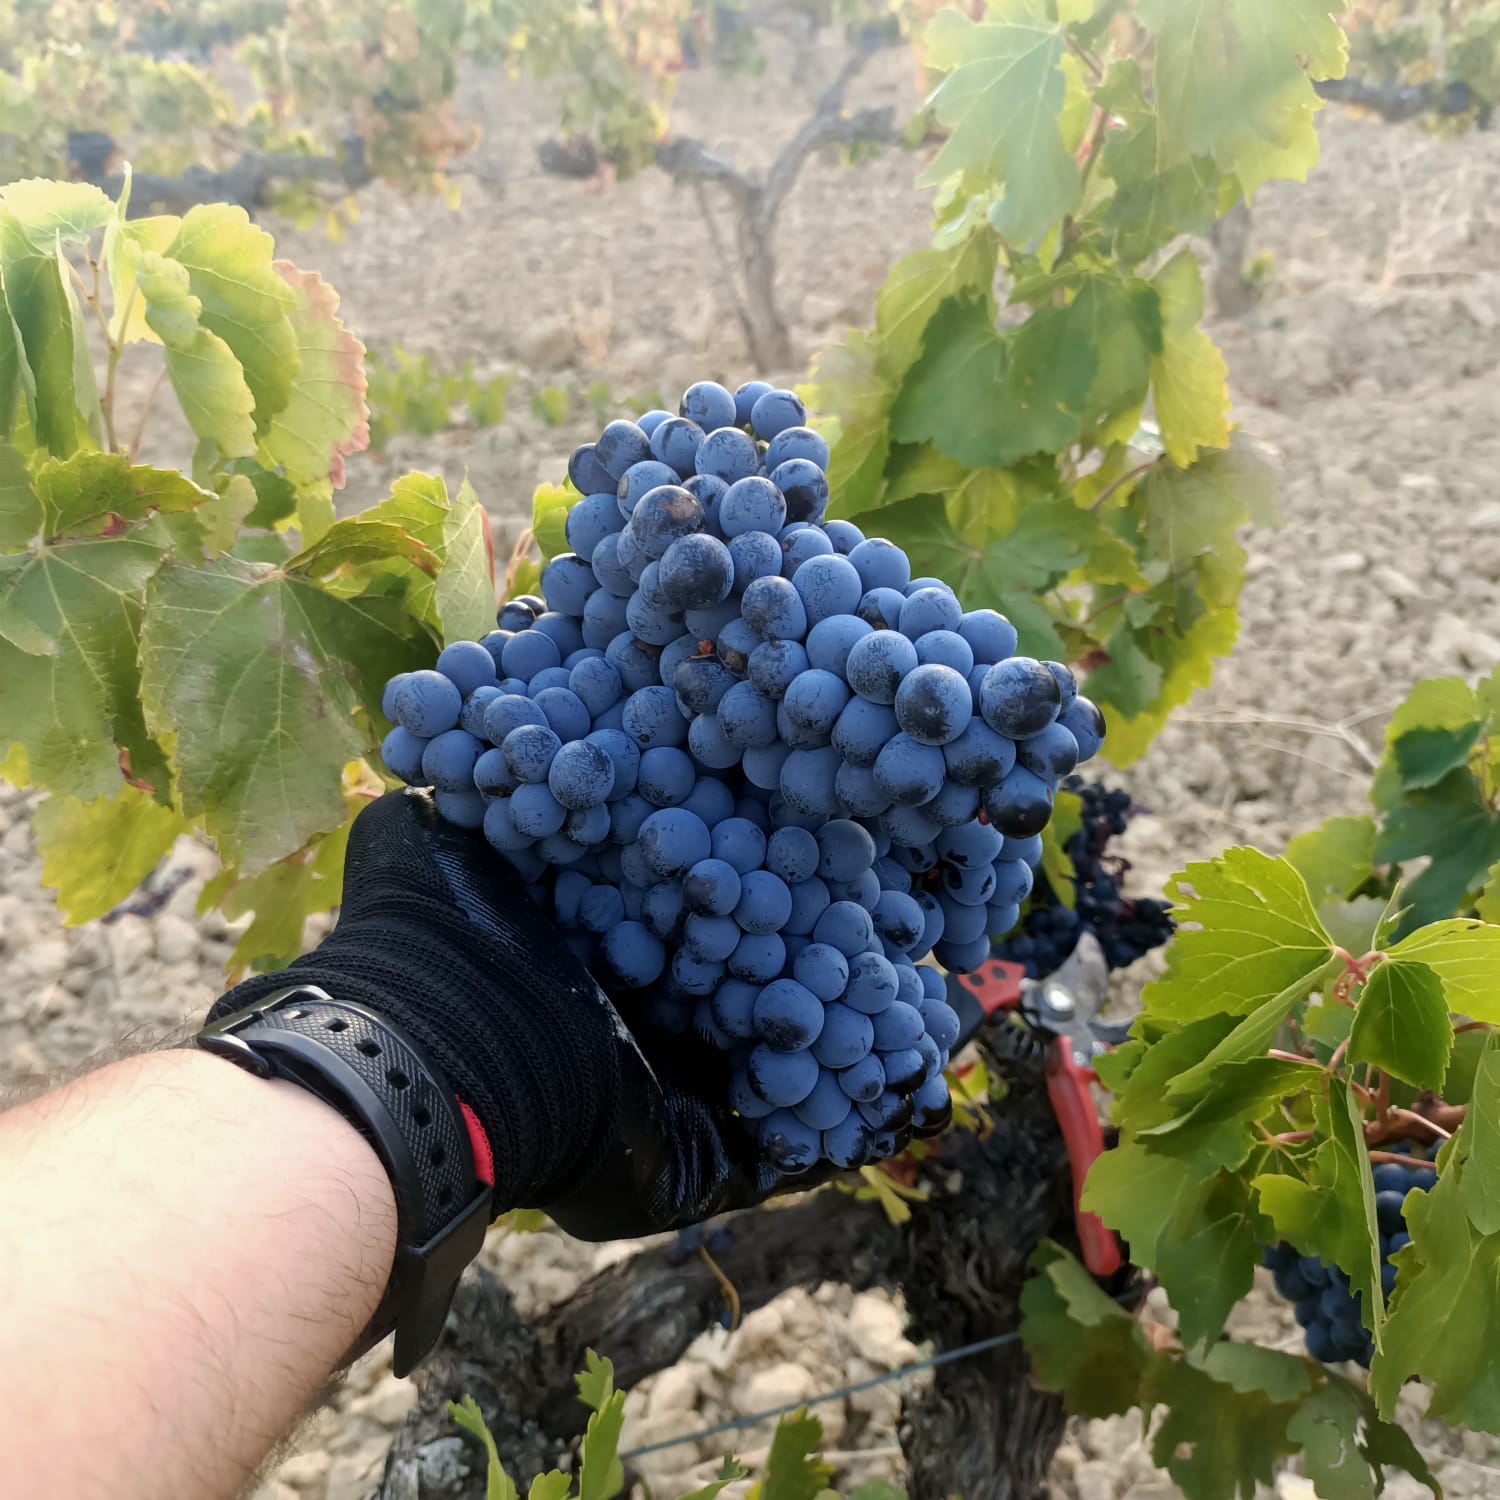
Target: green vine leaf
{"x": 51, "y": 211}
{"x": 1336, "y": 858}
{"x": 466, "y": 1416}
{"x": 324, "y": 416}
{"x": 1248, "y": 933}
{"x": 1479, "y": 1148}
{"x": 1189, "y": 377}
{"x": 793, "y": 1469}
{"x": 254, "y": 677}
{"x": 550, "y": 505}
{"x": 1465, "y": 955}
{"x": 1401, "y": 1025}
{"x": 600, "y": 1475}
{"x": 94, "y": 854}
{"x": 20, "y": 509}
{"x": 1002, "y": 101}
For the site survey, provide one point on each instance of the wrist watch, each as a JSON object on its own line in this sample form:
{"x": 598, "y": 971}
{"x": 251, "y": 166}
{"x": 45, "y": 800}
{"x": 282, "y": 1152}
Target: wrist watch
{"x": 429, "y": 1141}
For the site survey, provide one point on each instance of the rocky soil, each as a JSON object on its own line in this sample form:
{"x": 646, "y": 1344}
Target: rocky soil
{"x": 1367, "y": 368}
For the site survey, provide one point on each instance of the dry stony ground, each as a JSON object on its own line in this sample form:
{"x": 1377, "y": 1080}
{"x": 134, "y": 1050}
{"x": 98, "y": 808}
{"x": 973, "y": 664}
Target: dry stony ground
{"x": 1368, "y": 369}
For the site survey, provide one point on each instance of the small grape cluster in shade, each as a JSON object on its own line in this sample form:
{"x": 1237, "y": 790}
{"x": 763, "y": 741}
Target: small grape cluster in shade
{"x": 1327, "y": 1308}
{"x": 754, "y": 769}
{"x": 1127, "y": 927}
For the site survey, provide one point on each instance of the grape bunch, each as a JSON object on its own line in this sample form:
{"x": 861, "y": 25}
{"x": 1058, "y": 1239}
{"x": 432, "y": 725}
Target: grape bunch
{"x": 1327, "y": 1307}
{"x": 754, "y": 769}
{"x": 1126, "y": 927}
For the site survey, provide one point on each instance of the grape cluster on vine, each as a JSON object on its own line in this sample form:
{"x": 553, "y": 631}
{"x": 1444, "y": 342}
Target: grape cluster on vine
{"x": 1126, "y": 927}
{"x": 754, "y": 769}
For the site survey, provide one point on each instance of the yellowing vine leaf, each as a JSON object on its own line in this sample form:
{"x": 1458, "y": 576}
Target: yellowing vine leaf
{"x": 1189, "y": 378}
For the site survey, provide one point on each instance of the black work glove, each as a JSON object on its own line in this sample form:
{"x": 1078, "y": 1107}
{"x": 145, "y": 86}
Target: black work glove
{"x": 614, "y": 1135}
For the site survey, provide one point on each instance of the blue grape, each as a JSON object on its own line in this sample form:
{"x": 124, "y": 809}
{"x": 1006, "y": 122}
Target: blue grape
{"x": 821, "y": 969}
{"x": 581, "y": 775}
{"x": 462, "y": 809}
{"x": 862, "y": 730}
{"x": 535, "y": 811}
{"x": 741, "y": 845}
{"x": 805, "y": 487}
{"x": 610, "y": 570}
{"x": 665, "y": 777}
{"x": 752, "y": 504}
{"x": 663, "y": 910}
{"x": 930, "y": 609}
{"x": 651, "y": 718}
{"x": 904, "y": 1068}
{"x": 881, "y": 608}
{"x": 626, "y": 818}
{"x": 1085, "y": 723}
{"x": 763, "y": 764}
{"x": 829, "y": 586}
{"x": 623, "y": 755}
{"x": 675, "y": 443}
{"x": 500, "y": 829}
{"x": 755, "y": 554}
{"x": 792, "y": 854}
{"x": 1051, "y": 754}
{"x": 621, "y": 446}
{"x": 880, "y": 564}
{"x": 491, "y": 775}
{"x": 662, "y": 516}
{"x": 649, "y": 421}
{"x": 562, "y": 630}
{"x": 863, "y": 1081}
{"x": 587, "y": 472}
{"x": 800, "y": 543}
{"x": 810, "y": 708}
{"x": 528, "y": 652}
{"x": 1020, "y": 697}
{"x": 746, "y": 397}
{"x": 633, "y": 956}
{"x": 747, "y": 719}
{"x": 733, "y": 1005}
{"x": 595, "y": 517}
{"x": 933, "y": 704}
{"x": 830, "y": 641}
{"x": 694, "y": 975}
{"x": 449, "y": 759}
{"x": 601, "y": 909}
{"x": 808, "y": 781}
{"x": 773, "y": 609}
{"x": 877, "y": 664}
{"x": 810, "y": 899}
{"x": 826, "y": 1105}
{"x": 765, "y": 902}
{"x": 734, "y": 644}
{"x": 847, "y": 927}
{"x": 697, "y": 572}
{"x": 775, "y": 411}
{"x": 587, "y": 826}
{"x": 941, "y": 1021}
{"x": 707, "y": 403}
{"x": 567, "y": 582}
{"x": 471, "y": 715}
{"x": 898, "y": 919}
{"x": 709, "y": 745}
{"x": 858, "y": 792}
{"x": 1020, "y": 806}
{"x": 847, "y": 1034}
{"x": 596, "y": 684}
{"x": 758, "y": 956}
{"x": 789, "y": 1145}
{"x": 781, "y": 1078}
{"x": 775, "y": 665}
{"x": 467, "y": 665}
{"x": 529, "y": 751}
{"x": 897, "y": 1025}
{"x": 844, "y": 535}
{"x": 909, "y": 773}
{"x": 728, "y": 454}
{"x": 796, "y": 442}
{"x": 402, "y": 751}
{"x": 788, "y": 1016}
{"x": 546, "y": 678}
{"x": 872, "y": 977}
{"x": 565, "y": 712}
{"x": 711, "y": 888}
{"x": 672, "y": 841}
{"x": 845, "y": 850}
{"x": 427, "y": 703}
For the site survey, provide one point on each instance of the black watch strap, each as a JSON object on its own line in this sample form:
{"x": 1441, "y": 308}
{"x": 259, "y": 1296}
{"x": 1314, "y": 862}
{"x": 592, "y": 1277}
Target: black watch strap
{"x": 382, "y": 1083}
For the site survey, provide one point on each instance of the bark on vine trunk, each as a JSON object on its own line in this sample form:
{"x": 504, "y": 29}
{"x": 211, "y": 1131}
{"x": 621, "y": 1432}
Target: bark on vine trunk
{"x": 979, "y": 1429}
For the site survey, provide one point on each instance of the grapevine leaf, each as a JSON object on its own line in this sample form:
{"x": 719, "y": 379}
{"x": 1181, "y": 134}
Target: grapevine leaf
{"x": 1140, "y": 1096}
{"x": 1186, "y": 661}
{"x": 1445, "y": 1318}
{"x": 1082, "y": 1343}
{"x": 324, "y": 416}
{"x": 794, "y": 1471}
{"x": 94, "y": 854}
{"x": 51, "y": 211}
{"x": 732, "y": 1469}
{"x": 1251, "y": 1367}
{"x": 42, "y": 319}
{"x": 257, "y": 675}
{"x": 208, "y": 380}
{"x": 1066, "y": 820}
{"x": 1002, "y": 100}
{"x": 1425, "y": 756}
{"x": 555, "y": 1485}
{"x": 1451, "y": 825}
{"x": 459, "y": 602}
{"x": 1480, "y": 1143}
{"x": 95, "y": 493}
{"x": 923, "y": 531}
{"x": 1465, "y": 955}
{"x": 465, "y": 591}
{"x": 498, "y": 1485}
{"x": 917, "y": 287}
{"x": 20, "y": 510}
{"x": 1233, "y": 79}
{"x": 1189, "y": 377}
{"x": 1218, "y": 1131}
{"x": 242, "y": 300}
{"x": 1247, "y": 932}
{"x": 1214, "y": 1440}
{"x": 600, "y": 1475}
{"x": 549, "y": 517}
{"x": 1192, "y": 1231}
{"x": 963, "y": 353}
{"x": 845, "y": 382}
{"x": 1159, "y": 194}
{"x": 1402, "y": 1025}
{"x": 15, "y": 376}
{"x": 124, "y": 243}
{"x": 1129, "y": 680}
{"x": 70, "y": 618}
{"x": 85, "y": 386}
{"x": 1487, "y": 903}
{"x": 1122, "y": 323}
{"x": 342, "y": 557}
{"x": 1331, "y": 1213}
{"x": 1327, "y": 1428}
{"x": 1336, "y": 858}
{"x": 1192, "y": 515}
{"x": 282, "y": 897}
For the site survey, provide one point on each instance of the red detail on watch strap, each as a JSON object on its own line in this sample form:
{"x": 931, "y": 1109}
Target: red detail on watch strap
{"x": 479, "y": 1142}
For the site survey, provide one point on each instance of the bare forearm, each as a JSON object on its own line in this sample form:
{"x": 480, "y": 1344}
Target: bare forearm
{"x": 185, "y": 1251}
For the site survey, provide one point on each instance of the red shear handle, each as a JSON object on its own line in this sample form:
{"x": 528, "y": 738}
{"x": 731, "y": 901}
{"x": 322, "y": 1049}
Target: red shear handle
{"x": 1073, "y": 1104}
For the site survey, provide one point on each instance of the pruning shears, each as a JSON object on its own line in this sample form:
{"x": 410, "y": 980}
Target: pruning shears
{"x": 1061, "y": 1013}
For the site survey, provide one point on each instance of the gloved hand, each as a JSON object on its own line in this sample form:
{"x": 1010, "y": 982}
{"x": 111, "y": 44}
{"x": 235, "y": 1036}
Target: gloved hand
{"x": 614, "y": 1135}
